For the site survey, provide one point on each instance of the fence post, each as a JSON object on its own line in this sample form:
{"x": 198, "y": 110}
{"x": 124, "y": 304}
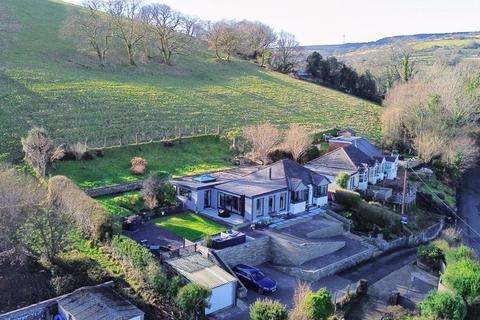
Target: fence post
{"x": 136, "y": 138}
{"x": 218, "y": 130}
{"x": 104, "y": 142}
{"x": 121, "y": 140}
{"x": 86, "y": 143}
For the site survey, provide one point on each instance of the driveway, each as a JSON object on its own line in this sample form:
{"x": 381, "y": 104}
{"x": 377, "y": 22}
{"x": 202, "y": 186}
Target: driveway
{"x": 469, "y": 208}
{"x": 372, "y": 270}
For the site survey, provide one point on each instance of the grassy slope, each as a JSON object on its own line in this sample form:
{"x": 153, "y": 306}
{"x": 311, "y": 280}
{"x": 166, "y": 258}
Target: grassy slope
{"x": 42, "y": 84}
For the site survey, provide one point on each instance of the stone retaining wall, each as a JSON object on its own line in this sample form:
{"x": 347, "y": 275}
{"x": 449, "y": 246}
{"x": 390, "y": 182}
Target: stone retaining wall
{"x": 425, "y": 236}
{"x": 253, "y": 252}
{"x": 316, "y": 274}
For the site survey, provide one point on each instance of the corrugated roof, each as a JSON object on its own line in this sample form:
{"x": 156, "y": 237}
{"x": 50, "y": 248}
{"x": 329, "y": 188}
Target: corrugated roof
{"x": 202, "y": 271}
{"x": 98, "y": 303}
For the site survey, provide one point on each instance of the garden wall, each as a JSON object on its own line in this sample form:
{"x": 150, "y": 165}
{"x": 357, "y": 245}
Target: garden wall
{"x": 414, "y": 240}
{"x": 115, "y": 189}
{"x": 252, "y": 252}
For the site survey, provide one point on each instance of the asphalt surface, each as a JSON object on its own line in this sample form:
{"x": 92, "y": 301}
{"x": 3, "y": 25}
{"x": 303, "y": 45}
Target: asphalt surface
{"x": 372, "y": 270}
{"x": 469, "y": 208}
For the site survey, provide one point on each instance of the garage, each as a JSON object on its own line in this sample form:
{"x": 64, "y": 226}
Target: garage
{"x": 202, "y": 271}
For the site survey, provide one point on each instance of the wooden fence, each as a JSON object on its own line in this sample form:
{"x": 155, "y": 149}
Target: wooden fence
{"x": 145, "y": 137}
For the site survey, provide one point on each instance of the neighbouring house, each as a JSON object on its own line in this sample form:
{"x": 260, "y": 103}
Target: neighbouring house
{"x": 87, "y": 303}
{"x": 359, "y": 158}
{"x": 200, "y": 270}
{"x": 284, "y": 187}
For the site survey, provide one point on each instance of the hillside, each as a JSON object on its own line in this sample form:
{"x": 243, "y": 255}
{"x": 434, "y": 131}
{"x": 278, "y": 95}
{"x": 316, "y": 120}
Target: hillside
{"x": 44, "y": 81}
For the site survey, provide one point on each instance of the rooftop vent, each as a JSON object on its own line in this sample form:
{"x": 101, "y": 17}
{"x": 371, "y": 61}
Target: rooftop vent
{"x": 204, "y": 178}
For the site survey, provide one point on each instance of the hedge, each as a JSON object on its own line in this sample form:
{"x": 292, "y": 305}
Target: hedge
{"x": 443, "y": 305}
{"x": 89, "y": 215}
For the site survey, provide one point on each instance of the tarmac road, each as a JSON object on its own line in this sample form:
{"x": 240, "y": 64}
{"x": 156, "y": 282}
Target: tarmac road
{"x": 469, "y": 207}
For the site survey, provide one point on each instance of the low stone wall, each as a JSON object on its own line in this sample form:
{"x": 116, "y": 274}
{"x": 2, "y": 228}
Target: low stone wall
{"x": 115, "y": 189}
{"x": 252, "y": 252}
{"x": 316, "y": 274}
{"x": 347, "y": 223}
{"x": 425, "y": 236}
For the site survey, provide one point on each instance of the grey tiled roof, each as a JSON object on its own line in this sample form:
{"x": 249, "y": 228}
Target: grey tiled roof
{"x": 283, "y": 174}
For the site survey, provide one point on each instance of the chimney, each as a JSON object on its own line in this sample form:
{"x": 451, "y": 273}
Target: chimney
{"x": 270, "y": 173}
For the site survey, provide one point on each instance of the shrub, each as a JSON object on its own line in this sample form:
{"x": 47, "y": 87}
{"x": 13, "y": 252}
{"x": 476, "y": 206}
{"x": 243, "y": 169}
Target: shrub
{"x": 277, "y": 155}
{"x": 139, "y": 165}
{"x": 207, "y": 241}
{"x": 453, "y": 255}
{"x": 312, "y": 153}
{"x": 443, "y": 305}
{"x": 342, "y": 180}
{"x": 89, "y": 215}
{"x": 193, "y": 299}
{"x": 78, "y": 150}
{"x": 464, "y": 277}
{"x": 347, "y": 198}
{"x": 319, "y": 305}
{"x": 302, "y": 290}
{"x": 168, "y": 143}
{"x": 268, "y": 309}
{"x": 430, "y": 255}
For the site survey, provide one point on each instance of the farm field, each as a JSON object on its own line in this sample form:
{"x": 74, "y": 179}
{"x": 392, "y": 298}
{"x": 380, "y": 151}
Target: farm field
{"x": 189, "y": 225}
{"x": 190, "y": 156}
{"x": 45, "y": 81}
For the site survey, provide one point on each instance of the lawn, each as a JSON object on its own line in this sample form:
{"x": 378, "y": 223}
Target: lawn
{"x": 45, "y": 81}
{"x": 189, "y": 225}
{"x": 436, "y": 186}
{"x": 191, "y": 156}
{"x": 122, "y": 205}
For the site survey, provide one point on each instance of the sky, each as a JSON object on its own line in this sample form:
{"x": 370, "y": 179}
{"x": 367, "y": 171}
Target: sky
{"x": 337, "y": 21}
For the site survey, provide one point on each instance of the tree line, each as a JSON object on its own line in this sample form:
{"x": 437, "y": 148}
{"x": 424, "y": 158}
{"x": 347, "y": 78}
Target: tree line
{"x": 336, "y": 74}
{"x": 156, "y": 32}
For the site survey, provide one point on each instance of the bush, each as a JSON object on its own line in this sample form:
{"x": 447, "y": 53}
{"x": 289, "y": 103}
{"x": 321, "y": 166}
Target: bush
{"x": 268, "y": 309}
{"x": 319, "y": 305}
{"x": 277, "y": 155}
{"x": 443, "y": 305}
{"x": 193, "y": 299}
{"x": 430, "y": 255}
{"x": 139, "y": 165}
{"x": 464, "y": 277}
{"x": 347, "y": 198}
{"x": 312, "y": 153}
{"x": 168, "y": 143}
{"x": 342, "y": 180}
{"x": 89, "y": 215}
{"x": 453, "y": 255}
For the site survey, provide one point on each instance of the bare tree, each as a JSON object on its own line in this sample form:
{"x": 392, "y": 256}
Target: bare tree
{"x": 169, "y": 28}
{"x": 127, "y": 25}
{"x": 297, "y": 140}
{"x": 287, "y": 53}
{"x": 223, "y": 38}
{"x": 45, "y": 232}
{"x": 151, "y": 190}
{"x": 39, "y": 150}
{"x": 19, "y": 195}
{"x": 435, "y": 113}
{"x": 263, "y": 138}
{"x": 95, "y": 29}
{"x": 402, "y": 61}
{"x": 257, "y": 39}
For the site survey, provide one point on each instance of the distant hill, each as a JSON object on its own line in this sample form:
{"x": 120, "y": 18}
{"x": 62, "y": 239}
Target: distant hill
{"x": 348, "y": 47}
{"x": 45, "y": 81}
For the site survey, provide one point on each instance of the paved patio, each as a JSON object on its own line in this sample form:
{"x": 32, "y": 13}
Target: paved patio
{"x": 233, "y": 220}
{"x": 154, "y": 235}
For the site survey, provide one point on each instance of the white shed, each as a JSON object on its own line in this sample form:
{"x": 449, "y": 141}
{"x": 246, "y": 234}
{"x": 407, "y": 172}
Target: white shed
{"x": 202, "y": 271}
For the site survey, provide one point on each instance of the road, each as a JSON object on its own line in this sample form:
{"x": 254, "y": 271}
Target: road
{"x": 469, "y": 207}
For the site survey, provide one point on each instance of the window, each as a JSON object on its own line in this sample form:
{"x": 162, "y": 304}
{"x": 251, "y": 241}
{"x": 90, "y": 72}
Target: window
{"x": 320, "y": 191}
{"x": 259, "y": 207}
{"x": 184, "y": 192}
{"x": 271, "y": 204}
{"x": 229, "y": 202}
{"x": 283, "y": 202}
{"x": 363, "y": 176}
{"x": 299, "y": 196}
{"x": 206, "y": 198}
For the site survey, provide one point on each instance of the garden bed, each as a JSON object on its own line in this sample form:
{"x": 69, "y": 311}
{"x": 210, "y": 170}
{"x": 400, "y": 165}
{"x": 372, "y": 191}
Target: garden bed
{"x": 189, "y": 225}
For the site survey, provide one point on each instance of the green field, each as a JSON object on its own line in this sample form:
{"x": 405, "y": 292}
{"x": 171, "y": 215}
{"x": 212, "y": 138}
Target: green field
{"x": 189, "y": 225}
{"x": 123, "y": 205}
{"x": 194, "y": 155}
{"x": 44, "y": 81}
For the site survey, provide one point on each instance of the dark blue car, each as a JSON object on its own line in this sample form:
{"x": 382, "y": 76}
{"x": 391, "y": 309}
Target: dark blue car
{"x": 255, "y": 279}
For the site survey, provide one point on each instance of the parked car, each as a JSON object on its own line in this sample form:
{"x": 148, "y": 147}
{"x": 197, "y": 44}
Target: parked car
{"x": 255, "y": 279}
